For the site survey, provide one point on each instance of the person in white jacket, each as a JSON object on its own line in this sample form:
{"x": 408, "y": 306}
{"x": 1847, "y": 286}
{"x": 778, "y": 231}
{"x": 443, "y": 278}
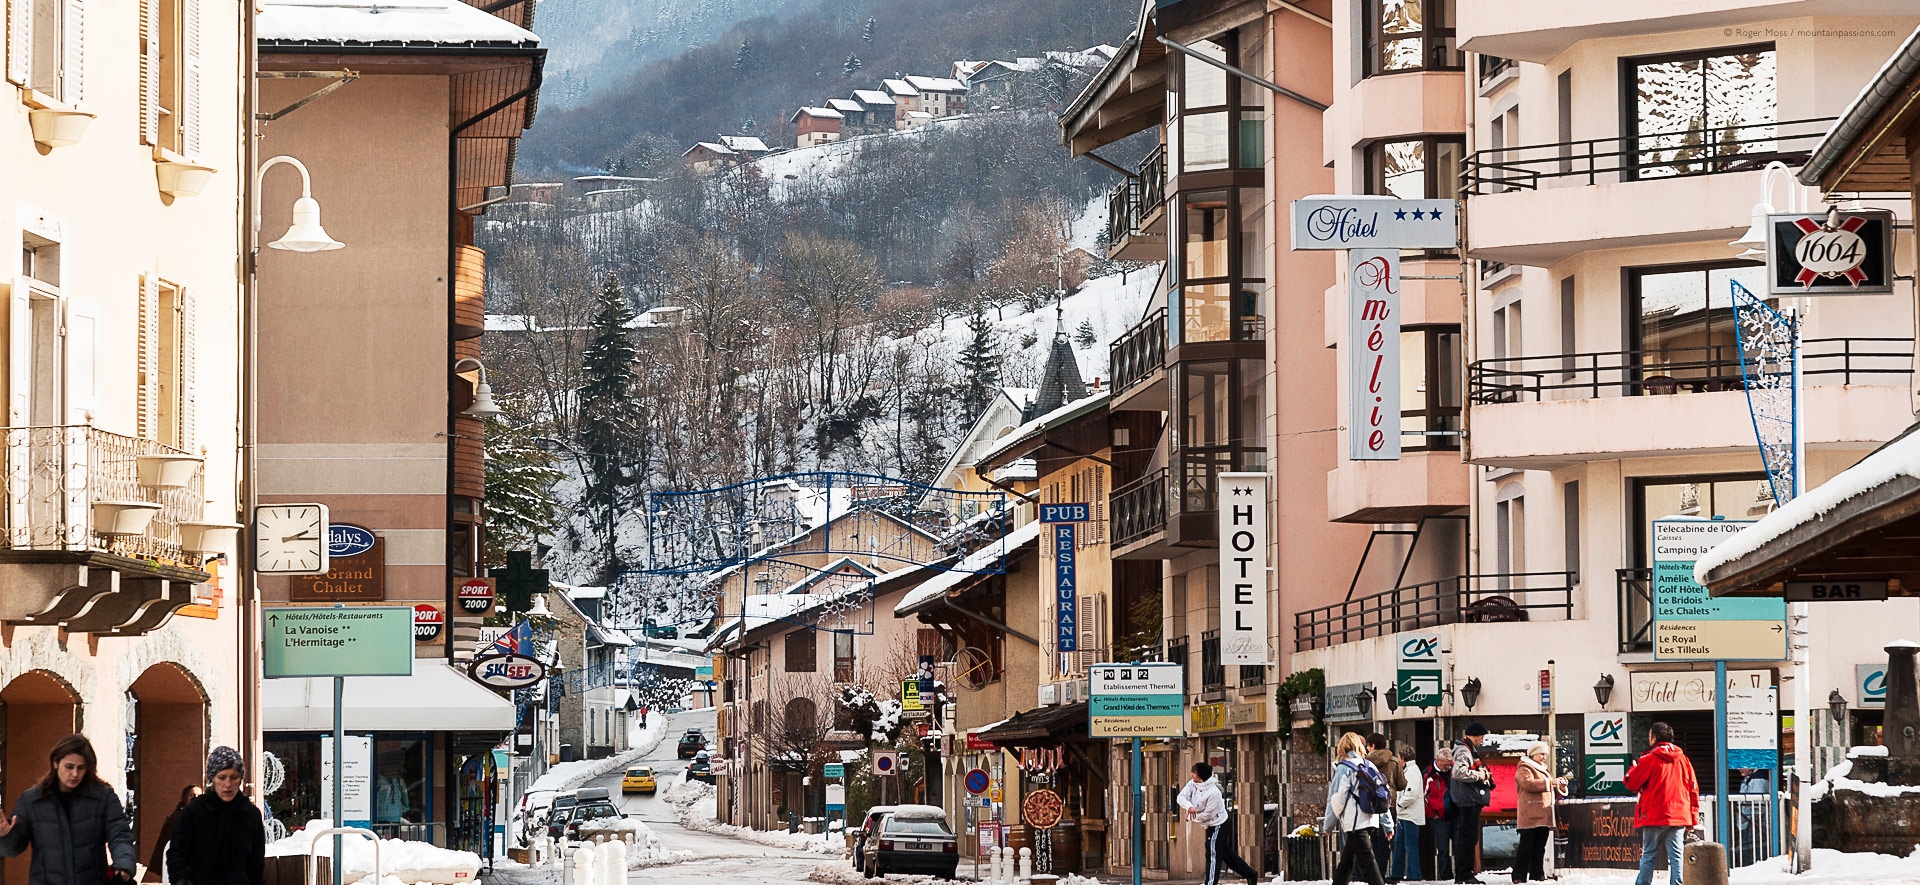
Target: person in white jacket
{"x": 1409, "y": 812}
{"x": 1345, "y": 816}
{"x": 1207, "y": 807}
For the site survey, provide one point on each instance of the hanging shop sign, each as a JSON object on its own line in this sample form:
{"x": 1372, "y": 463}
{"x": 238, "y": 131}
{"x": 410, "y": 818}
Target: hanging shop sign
{"x": 1243, "y": 568}
{"x": 910, "y": 695}
{"x": 1041, "y": 760}
{"x": 475, "y": 595}
{"x": 427, "y": 621}
{"x": 1416, "y": 672}
{"x": 1830, "y": 253}
{"x": 1041, "y": 809}
{"x": 1065, "y": 600}
{"x": 1372, "y": 347}
{"x": 1836, "y": 591}
{"x": 1688, "y": 624}
{"x": 359, "y": 577}
{"x": 1870, "y": 680}
{"x": 1364, "y": 222}
{"x": 1080, "y": 512}
{"x": 507, "y": 671}
{"x": 346, "y": 539}
{"x": 1603, "y": 746}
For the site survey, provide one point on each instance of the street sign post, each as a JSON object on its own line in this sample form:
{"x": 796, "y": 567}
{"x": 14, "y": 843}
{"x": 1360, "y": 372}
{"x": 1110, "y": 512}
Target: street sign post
{"x": 1135, "y": 701}
{"x": 1689, "y": 625}
{"x": 339, "y": 642}
{"x": 977, "y": 781}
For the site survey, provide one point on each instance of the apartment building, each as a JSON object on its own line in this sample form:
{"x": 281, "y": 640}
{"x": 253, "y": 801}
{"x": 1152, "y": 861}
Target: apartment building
{"x": 1228, "y": 371}
{"x": 125, "y": 609}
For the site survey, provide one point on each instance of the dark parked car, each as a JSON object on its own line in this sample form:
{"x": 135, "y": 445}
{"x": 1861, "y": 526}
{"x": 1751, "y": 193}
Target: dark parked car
{"x": 700, "y": 770}
{"x": 912, "y": 839}
{"x": 867, "y": 828}
{"x": 692, "y": 742}
{"x": 592, "y": 804}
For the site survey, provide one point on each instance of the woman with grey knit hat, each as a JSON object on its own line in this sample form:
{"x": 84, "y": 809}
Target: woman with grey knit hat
{"x": 221, "y": 838}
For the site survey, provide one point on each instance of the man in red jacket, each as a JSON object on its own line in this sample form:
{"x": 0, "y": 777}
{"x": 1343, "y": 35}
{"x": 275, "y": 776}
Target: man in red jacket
{"x": 1669, "y": 802}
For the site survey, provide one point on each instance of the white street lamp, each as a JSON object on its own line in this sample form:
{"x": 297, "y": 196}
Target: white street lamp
{"x": 483, "y": 406}
{"x": 1753, "y": 243}
{"x": 305, "y": 234}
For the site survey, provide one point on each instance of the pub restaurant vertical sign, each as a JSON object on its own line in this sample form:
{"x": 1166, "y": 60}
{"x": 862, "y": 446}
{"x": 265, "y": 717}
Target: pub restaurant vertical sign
{"x": 1243, "y": 568}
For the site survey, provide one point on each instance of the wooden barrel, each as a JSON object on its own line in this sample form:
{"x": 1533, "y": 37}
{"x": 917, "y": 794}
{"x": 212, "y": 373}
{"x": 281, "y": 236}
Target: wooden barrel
{"x": 1018, "y": 837}
{"x": 1066, "y": 847}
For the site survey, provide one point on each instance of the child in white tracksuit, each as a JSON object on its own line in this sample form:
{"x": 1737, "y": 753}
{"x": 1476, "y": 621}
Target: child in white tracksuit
{"x": 1345, "y": 816}
{"x": 1206, "y": 807}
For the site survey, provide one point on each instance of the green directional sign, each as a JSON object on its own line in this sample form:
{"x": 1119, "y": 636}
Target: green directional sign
{"x": 357, "y": 641}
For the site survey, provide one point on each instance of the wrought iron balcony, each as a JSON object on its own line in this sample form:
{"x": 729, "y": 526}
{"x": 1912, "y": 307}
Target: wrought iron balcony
{"x": 1639, "y": 157}
{"x": 1213, "y": 675}
{"x": 1139, "y": 352}
{"x": 1140, "y": 508}
{"x": 1466, "y": 599}
{"x": 1131, "y": 206}
{"x": 1882, "y": 361}
{"x": 1636, "y": 609}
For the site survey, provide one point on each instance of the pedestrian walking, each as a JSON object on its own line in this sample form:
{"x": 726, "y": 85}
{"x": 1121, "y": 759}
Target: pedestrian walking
{"x": 73, "y": 822}
{"x": 1533, "y": 812}
{"x": 1389, "y": 768}
{"x": 1440, "y": 812}
{"x": 221, "y": 839}
{"x": 1206, "y": 806}
{"x": 157, "y": 863}
{"x": 1669, "y": 802}
{"x": 1349, "y": 815}
{"x": 1409, "y": 812}
{"x": 1470, "y": 790}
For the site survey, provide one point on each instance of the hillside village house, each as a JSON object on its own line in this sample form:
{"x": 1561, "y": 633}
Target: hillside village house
{"x": 940, "y": 96}
{"x": 813, "y": 126}
{"x": 126, "y": 614}
{"x": 592, "y": 716}
{"x": 745, "y": 145}
{"x": 706, "y": 156}
{"x": 879, "y": 106}
{"x": 402, "y": 159}
{"x": 906, "y": 99}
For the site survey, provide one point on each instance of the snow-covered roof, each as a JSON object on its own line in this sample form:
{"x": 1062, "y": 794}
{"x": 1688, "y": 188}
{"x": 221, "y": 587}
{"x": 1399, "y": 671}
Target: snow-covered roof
{"x": 1067, "y": 411}
{"x": 710, "y": 146}
{"x": 919, "y": 115}
{"x": 1895, "y": 460}
{"x": 444, "y": 22}
{"x": 846, "y": 106}
{"x": 899, "y": 87}
{"x": 587, "y": 593}
{"x": 935, "y": 84}
{"x": 872, "y": 97}
{"x": 635, "y": 178}
{"x": 828, "y": 113}
{"x": 976, "y": 562}
{"x": 1023, "y": 468}
{"x": 744, "y": 143}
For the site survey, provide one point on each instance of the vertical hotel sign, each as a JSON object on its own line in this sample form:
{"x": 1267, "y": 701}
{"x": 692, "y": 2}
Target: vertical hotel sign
{"x": 1373, "y": 354}
{"x": 1243, "y": 568}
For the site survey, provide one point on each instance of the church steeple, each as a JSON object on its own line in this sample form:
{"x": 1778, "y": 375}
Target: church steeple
{"x": 1060, "y": 381}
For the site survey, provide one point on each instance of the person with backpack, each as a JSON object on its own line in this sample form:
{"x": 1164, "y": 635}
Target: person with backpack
{"x": 1409, "y": 812}
{"x": 1389, "y": 768}
{"x": 1207, "y": 807}
{"x": 1669, "y": 802}
{"x": 1440, "y": 812}
{"x": 1356, "y": 798}
{"x": 1470, "y": 790}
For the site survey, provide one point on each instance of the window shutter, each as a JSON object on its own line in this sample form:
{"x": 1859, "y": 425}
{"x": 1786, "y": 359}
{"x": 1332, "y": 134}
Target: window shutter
{"x": 149, "y": 71}
{"x": 19, "y": 41}
{"x": 147, "y": 394}
{"x": 190, "y": 79}
{"x": 1099, "y": 527}
{"x": 81, "y": 346}
{"x": 73, "y": 59}
{"x": 1088, "y": 616}
{"x": 189, "y": 325}
{"x": 20, "y": 355}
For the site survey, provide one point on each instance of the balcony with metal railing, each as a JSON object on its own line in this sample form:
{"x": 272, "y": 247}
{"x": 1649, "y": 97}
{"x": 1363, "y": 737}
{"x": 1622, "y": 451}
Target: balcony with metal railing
{"x": 1136, "y": 224}
{"x": 1539, "y": 204}
{"x": 103, "y": 532}
{"x": 1139, "y": 512}
{"x": 1534, "y": 410}
{"x": 1635, "y": 599}
{"x": 1213, "y": 674}
{"x": 1139, "y": 361}
{"x": 1465, "y": 599}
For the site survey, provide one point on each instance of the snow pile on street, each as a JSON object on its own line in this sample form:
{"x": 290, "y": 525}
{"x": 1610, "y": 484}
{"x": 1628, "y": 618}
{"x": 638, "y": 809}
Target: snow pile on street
{"x": 645, "y": 850}
{"x": 401, "y": 861}
{"x": 843, "y": 874}
{"x": 1837, "y": 779}
{"x": 694, "y": 802}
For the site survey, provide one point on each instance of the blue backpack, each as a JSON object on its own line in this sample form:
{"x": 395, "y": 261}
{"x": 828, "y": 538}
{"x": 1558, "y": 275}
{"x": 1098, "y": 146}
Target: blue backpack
{"x": 1367, "y": 787}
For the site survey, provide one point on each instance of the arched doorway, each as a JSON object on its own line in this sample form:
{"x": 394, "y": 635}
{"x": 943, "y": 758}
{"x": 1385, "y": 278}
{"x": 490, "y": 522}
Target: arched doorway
{"x": 36, "y": 709}
{"x": 166, "y": 745}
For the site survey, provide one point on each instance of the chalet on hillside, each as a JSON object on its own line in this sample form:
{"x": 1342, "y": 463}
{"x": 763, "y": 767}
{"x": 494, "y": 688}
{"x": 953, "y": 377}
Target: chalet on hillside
{"x": 880, "y": 108}
{"x": 940, "y": 96}
{"x": 813, "y": 126}
{"x": 706, "y": 156}
{"x": 906, "y": 99}
{"x": 853, "y": 114}
{"x": 747, "y": 146}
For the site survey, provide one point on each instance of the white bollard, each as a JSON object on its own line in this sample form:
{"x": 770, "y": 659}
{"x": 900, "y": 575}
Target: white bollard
{"x": 582, "y": 867}
{"x": 993, "y": 866}
{"x": 1003, "y": 865}
{"x": 1026, "y": 864}
{"x": 613, "y": 862}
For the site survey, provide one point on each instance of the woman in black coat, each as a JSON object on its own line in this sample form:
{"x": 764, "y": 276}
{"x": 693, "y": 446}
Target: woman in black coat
{"x": 73, "y": 822}
{"x": 221, "y": 838}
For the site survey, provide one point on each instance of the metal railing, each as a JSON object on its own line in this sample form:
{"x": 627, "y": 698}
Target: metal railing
{"x": 1213, "y": 675}
{"x": 1200, "y": 469}
{"x": 1634, "y": 598}
{"x": 1676, "y": 370}
{"x": 1140, "y": 351}
{"x": 1492, "y": 66}
{"x": 1251, "y": 676}
{"x": 1132, "y": 200}
{"x": 1466, "y": 599}
{"x": 1177, "y": 654}
{"x": 1652, "y": 155}
{"x": 56, "y": 473}
{"x": 1140, "y": 508}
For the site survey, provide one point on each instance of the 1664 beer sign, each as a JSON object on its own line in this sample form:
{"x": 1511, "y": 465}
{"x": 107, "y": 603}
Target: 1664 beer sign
{"x": 1831, "y": 253}
{"x": 1243, "y": 568}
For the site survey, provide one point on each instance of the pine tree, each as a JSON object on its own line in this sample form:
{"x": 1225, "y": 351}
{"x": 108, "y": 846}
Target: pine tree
{"x": 609, "y": 419}
{"x": 744, "y": 56}
{"x": 853, "y": 64}
{"x": 746, "y": 126}
{"x": 1085, "y": 336}
{"x": 866, "y": 33}
{"x": 979, "y": 363}
{"x": 520, "y": 477}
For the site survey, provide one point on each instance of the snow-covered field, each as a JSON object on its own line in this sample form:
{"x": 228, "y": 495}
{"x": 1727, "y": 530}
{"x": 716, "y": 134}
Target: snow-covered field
{"x": 694, "y": 802}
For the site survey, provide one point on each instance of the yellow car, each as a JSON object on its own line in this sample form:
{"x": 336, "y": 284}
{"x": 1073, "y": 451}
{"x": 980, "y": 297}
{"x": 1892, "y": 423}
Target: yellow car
{"x": 638, "y": 780}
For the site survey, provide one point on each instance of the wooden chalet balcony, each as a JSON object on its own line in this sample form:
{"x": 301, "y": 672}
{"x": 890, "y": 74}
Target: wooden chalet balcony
{"x": 469, "y": 292}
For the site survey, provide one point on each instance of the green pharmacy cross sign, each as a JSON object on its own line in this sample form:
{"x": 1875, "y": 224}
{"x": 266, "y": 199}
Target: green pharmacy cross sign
{"x": 1416, "y": 678}
{"x": 356, "y": 641}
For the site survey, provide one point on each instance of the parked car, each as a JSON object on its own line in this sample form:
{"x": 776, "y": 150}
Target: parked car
{"x": 700, "y": 770}
{"x": 591, "y": 804}
{"x": 868, "y": 826}
{"x": 638, "y": 780}
{"x": 692, "y": 742}
{"x": 912, "y": 839}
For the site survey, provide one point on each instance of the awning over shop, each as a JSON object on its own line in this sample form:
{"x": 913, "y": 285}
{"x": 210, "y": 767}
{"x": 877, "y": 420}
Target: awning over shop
{"x": 434, "y": 698}
{"x": 1047, "y": 725}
